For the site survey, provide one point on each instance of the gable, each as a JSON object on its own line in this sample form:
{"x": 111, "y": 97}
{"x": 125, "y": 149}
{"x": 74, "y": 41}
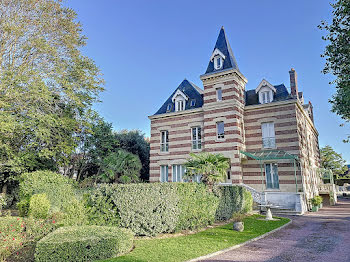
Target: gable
{"x": 188, "y": 89}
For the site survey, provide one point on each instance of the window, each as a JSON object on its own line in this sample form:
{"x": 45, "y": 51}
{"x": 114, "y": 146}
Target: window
{"x": 217, "y": 62}
{"x": 266, "y": 97}
{"x": 169, "y": 107}
{"x": 180, "y": 105}
{"x": 164, "y": 142}
{"x": 178, "y": 173}
{"x": 193, "y": 102}
{"x": 271, "y": 173}
{"x": 164, "y": 172}
{"x": 196, "y": 138}
{"x": 268, "y": 135}
{"x": 220, "y": 130}
{"x": 218, "y": 94}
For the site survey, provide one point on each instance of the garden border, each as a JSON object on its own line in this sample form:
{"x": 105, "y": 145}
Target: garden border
{"x": 240, "y": 245}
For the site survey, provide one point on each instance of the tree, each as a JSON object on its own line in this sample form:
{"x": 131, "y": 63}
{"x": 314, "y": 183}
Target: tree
{"x": 134, "y": 141}
{"x": 46, "y": 84}
{"x": 121, "y": 167}
{"x": 332, "y": 160}
{"x": 212, "y": 167}
{"x": 337, "y": 55}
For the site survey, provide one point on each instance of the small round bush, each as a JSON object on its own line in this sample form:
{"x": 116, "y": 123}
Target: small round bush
{"x": 39, "y": 206}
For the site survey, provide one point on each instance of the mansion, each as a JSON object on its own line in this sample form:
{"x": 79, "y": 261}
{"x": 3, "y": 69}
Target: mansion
{"x": 268, "y": 133}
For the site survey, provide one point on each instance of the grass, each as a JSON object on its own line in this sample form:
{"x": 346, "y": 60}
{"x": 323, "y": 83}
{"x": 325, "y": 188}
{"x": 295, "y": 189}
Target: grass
{"x": 187, "y": 247}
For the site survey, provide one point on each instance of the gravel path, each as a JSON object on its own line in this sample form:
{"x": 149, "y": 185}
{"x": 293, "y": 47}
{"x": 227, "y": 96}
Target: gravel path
{"x": 322, "y": 236}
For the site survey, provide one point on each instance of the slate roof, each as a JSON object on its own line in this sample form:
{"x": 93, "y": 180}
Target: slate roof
{"x": 251, "y": 98}
{"x": 191, "y": 90}
{"x": 223, "y": 45}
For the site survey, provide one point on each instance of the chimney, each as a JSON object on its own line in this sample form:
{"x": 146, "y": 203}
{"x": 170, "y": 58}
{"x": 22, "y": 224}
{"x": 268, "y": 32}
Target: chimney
{"x": 293, "y": 83}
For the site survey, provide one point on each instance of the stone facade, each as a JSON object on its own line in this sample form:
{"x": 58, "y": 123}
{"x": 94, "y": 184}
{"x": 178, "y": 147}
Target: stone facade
{"x": 226, "y": 102}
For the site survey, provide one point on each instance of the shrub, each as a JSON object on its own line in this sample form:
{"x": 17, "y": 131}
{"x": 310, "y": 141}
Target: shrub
{"x": 23, "y": 206}
{"x": 59, "y": 189}
{"x": 317, "y": 200}
{"x": 2, "y": 201}
{"x": 73, "y": 214}
{"x": 39, "y": 206}
{"x": 147, "y": 209}
{"x": 17, "y": 234}
{"x": 85, "y": 243}
{"x": 232, "y": 199}
{"x": 197, "y": 206}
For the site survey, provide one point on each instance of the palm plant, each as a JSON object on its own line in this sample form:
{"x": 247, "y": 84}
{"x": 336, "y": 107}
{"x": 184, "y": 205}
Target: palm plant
{"x": 212, "y": 167}
{"x": 121, "y": 166}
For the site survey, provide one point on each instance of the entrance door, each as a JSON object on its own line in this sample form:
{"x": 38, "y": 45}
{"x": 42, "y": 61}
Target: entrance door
{"x": 271, "y": 173}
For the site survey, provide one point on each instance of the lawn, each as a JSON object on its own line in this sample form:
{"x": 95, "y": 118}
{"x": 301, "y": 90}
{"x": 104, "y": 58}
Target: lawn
{"x": 183, "y": 248}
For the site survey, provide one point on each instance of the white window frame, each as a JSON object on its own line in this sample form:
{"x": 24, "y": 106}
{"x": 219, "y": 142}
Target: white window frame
{"x": 179, "y": 105}
{"x": 220, "y": 136}
{"x": 178, "y": 172}
{"x": 218, "y": 94}
{"x": 196, "y": 138}
{"x": 217, "y": 65}
{"x": 265, "y": 97}
{"x": 273, "y": 175}
{"x": 164, "y": 141}
{"x": 164, "y": 174}
{"x": 268, "y": 135}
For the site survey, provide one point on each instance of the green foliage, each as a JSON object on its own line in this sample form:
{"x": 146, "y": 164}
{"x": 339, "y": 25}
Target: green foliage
{"x": 18, "y": 234}
{"x": 332, "y": 160}
{"x": 84, "y": 243}
{"x": 74, "y": 213}
{"x": 122, "y": 167}
{"x": 39, "y": 206}
{"x": 212, "y": 167}
{"x": 316, "y": 201}
{"x": 46, "y": 84}
{"x": 150, "y": 209}
{"x": 238, "y": 217}
{"x": 197, "y": 206}
{"x": 134, "y": 141}
{"x": 2, "y": 201}
{"x": 232, "y": 199}
{"x": 338, "y": 56}
{"x": 100, "y": 209}
{"x": 23, "y": 206}
{"x": 59, "y": 189}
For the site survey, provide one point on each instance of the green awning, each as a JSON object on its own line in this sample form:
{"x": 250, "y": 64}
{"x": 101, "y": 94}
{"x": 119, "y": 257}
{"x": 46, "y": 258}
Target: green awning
{"x": 270, "y": 155}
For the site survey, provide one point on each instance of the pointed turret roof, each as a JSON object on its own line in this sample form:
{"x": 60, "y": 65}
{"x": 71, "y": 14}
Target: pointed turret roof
{"x": 224, "y": 47}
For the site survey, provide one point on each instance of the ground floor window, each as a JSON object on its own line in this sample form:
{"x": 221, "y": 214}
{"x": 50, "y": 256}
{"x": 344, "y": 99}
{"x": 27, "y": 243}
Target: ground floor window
{"x": 164, "y": 172}
{"x": 178, "y": 173}
{"x": 271, "y": 173}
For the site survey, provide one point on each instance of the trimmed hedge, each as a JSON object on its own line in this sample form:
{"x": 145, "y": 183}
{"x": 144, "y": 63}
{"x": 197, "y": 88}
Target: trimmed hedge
{"x": 232, "y": 199}
{"x": 151, "y": 209}
{"x": 84, "y": 243}
{"x": 39, "y": 206}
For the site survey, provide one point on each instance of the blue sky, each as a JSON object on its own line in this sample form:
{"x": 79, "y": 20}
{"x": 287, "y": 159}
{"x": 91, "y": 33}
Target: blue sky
{"x": 146, "y": 48}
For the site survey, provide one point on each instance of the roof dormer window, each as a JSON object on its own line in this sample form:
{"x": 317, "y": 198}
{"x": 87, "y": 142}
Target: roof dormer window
{"x": 179, "y": 99}
{"x": 265, "y": 92}
{"x": 180, "y": 105}
{"x": 218, "y": 59}
{"x": 169, "y": 107}
{"x": 217, "y": 62}
{"x": 193, "y": 102}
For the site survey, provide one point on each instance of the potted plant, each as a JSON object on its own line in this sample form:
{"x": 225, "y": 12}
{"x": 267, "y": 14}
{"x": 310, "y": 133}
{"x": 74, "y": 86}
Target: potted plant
{"x": 316, "y": 201}
{"x": 238, "y": 224}
{"x": 319, "y": 200}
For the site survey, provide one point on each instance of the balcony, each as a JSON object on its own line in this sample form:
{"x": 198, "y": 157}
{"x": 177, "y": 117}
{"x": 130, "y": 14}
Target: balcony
{"x": 269, "y": 142}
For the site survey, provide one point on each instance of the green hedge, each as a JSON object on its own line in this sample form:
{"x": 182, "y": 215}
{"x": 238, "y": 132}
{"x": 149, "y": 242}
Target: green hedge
{"x": 39, "y": 206}
{"x": 150, "y": 209}
{"x": 84, "y": 243}
{"x": 232, "y": 199}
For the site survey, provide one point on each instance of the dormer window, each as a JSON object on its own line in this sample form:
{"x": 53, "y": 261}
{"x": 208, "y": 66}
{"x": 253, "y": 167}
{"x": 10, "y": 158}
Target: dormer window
{"x": 169, "y": 107}
{"x": 265, "y": 92}
{"x": 217, "y": 62}
{"x": 180, "y": 105}
{"x": 179, "y": 99}
{"x": 217, "y": 58}
{"x": 193, "y": 102}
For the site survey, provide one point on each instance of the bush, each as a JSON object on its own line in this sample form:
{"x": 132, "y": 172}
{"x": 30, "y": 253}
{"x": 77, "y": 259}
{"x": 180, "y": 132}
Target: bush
{"x": 197, "y": 206}
{"x": 59, "y": 189}
{"x": 20, "y": 234}
{"x": 23, "y": 206}
{"x": 232, "y": 199}
{"x": 74, "y": 214}
{"x": 85, "y": 243}
{"x": 2, "y": 201}
{"x": 150, "y": 209}
{"x": 39, "y": 206}
{"x": 317, "y": 200}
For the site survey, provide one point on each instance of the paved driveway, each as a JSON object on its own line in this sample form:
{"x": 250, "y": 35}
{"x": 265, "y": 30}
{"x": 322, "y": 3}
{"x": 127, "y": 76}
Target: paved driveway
{"x": 322, "y": 236}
